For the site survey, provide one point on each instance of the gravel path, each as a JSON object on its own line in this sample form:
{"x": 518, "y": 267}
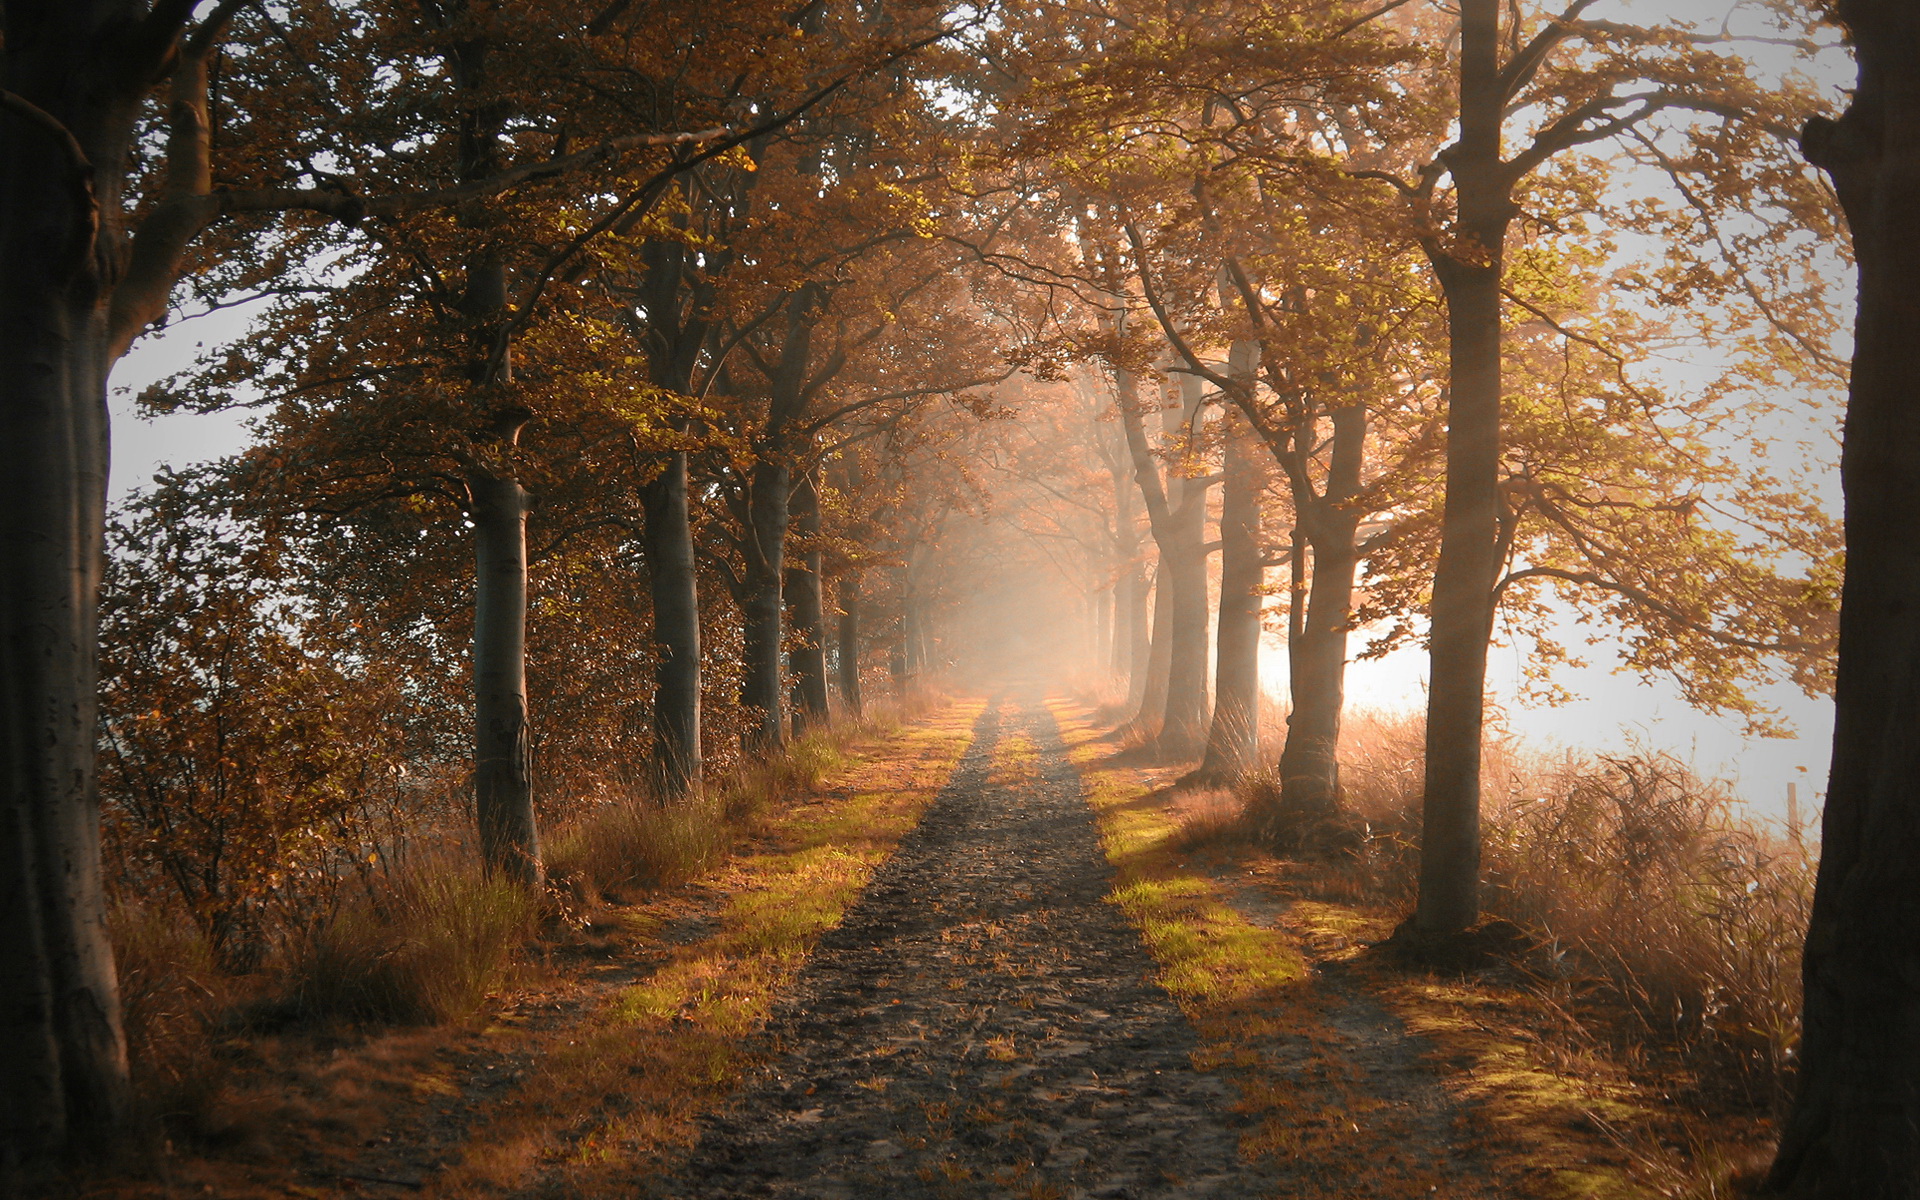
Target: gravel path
{"x": 982, "y": 1024}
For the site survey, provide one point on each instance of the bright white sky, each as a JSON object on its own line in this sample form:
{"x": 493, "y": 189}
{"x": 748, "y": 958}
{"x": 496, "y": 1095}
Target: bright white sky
{"x": 1614, "y": 708}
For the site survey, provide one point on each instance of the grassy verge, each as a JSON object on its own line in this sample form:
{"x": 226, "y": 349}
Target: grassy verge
{"x": 1536, "y": 1118}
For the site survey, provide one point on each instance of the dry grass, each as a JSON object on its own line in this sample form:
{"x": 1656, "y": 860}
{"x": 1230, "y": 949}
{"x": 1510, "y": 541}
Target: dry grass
{"x": 427, "y": 946}
{"x": 1644, "y": 884}
{"x": 615, "y": 1095}
{"x": 1209, "y": 817}
{"x": 637, "y": 843}
{"x": 172, "y": 993}
{"x": 1570, "y": 1073}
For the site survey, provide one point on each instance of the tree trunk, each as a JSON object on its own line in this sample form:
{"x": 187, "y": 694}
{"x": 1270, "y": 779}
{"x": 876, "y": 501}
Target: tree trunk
{"x": 1854, "y": 1129}
{"x": 63, "y": 1071}
{"x": 1134, "y": 646}
{"x": 850, "y": 645}
{"x": 1153, "y": 693}
{"x": 1175, "y": 701}
{"x": 1462, "y": 606}
{"x": 502, "y": 779}
{"x": 667, "y": 538}
{"x": 1132, "y": 641}
{"x": 900, "y": 663}
{"x": 1183, "y": 730}
{"x": 1233, "y": 740}
{"x": 760, "y": 691}
{"x": 808, "y": 611}
{"x": 63, "y": 1064}
{"x": 1317, "y": 654}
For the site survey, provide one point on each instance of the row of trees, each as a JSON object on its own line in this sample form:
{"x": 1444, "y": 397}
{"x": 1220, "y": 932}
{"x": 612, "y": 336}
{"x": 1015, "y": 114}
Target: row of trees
{"x": 677, "y": 294}
{"x": 689, "y": 319}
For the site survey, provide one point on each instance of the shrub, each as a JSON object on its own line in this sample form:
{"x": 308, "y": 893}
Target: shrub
{"x": 1651, "y": 877}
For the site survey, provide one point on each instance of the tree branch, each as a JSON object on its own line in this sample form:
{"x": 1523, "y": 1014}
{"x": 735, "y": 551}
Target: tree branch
{"x": 1648, "y": 601}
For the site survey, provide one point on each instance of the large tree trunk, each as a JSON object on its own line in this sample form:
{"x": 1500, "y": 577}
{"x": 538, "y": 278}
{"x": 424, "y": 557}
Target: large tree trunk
{"x": 63, "y": 1071}
{"x": 1462, "y": 606}
{"x": 760, "y": 690}
{"x": 1317, "y": 653}
{"x": 1233, "y": 740}
{"x": 1854, "y": 1129}
{"x": 808, "y": 609}
{"x": 502, "y": 777}
{"x": 667, "y": 538}
{"x": 849, "y": 642}
{"x": 63, "y": 1065}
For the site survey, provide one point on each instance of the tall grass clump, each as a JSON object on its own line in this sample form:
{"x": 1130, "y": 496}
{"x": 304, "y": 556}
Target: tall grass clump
{"x": 639, "y": 842}
{"x": 172, "y": 995}
{"x": 428, "y": 946}
{"x": 1639, "y": 870}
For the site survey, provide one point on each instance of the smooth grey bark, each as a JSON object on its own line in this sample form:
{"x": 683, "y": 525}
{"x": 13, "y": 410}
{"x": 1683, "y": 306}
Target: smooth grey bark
{"x": 1326, "y": 527}
{"x": 849, "y": 645}
{"x": 1854, "y": 1128}
{"x": 1233, "y": 738}
{"x": 679, "y": 332}
{"x": 672, "y": 580}
{"x": 807, "y": 609}
{"x": 1183, "y": 732}
{"x": 502, "y": 771}
{"x": 1461, "y": 611}
{"x": 761, "y": 693}
{"x": 1176, "y": 514}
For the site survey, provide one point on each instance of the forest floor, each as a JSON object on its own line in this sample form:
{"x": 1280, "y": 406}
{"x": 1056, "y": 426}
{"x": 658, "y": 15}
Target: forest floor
{"x": 985, "y": 961}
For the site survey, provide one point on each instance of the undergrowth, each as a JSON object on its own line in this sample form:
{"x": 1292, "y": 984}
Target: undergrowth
{"x": 423, "y": 938}
{"x": 1642, "y": 884}
{"x": 1665, "y": 923}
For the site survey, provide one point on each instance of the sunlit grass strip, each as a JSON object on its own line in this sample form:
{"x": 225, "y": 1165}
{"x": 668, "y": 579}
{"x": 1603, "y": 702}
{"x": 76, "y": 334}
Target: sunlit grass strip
{"x": 621, "y": 1097}
{"x": 1210, "y": 955}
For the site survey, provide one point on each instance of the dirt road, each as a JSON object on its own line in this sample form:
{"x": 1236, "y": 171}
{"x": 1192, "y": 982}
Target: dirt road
{"x": 983, "y": 1024}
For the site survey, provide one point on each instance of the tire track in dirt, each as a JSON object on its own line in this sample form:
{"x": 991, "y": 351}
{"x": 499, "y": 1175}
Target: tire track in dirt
{"x": 983, "y": 1023}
